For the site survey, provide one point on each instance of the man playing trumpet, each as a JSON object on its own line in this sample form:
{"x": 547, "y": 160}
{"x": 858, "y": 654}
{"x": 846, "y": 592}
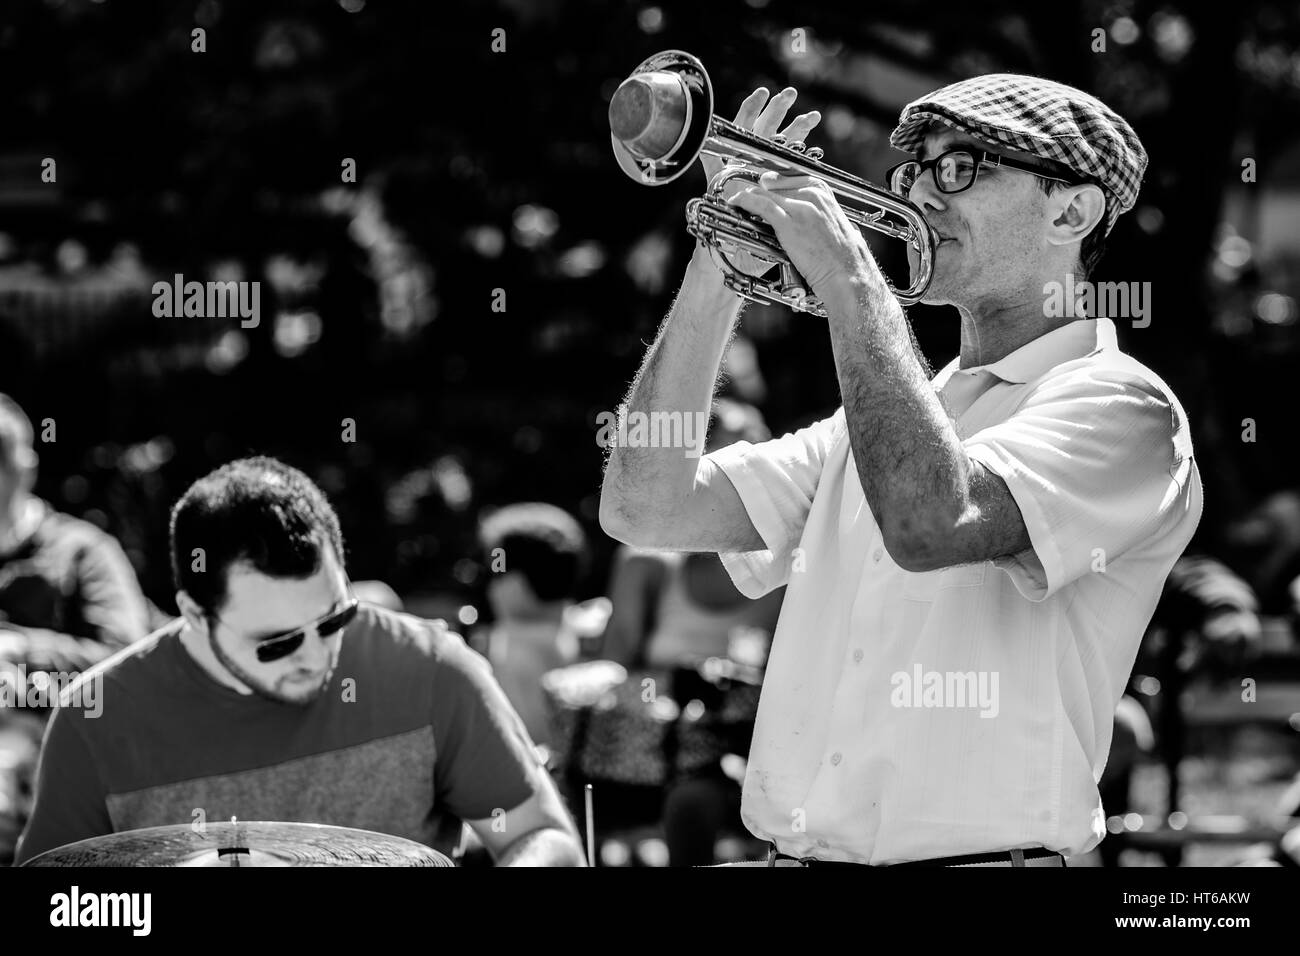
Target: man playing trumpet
{"x": 971, "y": 558}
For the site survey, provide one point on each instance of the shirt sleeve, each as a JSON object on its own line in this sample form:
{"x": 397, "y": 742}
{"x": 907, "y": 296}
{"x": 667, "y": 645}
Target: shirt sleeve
{"x": 776, "y": 481}
{"x": 70, "y": 800}
{"x": 112, "y": 604}
{"x": 485, "y": 759}
{"x": 1098, "y": 462}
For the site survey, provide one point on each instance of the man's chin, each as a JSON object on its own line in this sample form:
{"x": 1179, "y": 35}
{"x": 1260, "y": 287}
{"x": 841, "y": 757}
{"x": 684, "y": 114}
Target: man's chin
{"x": 936, "y": 293}
{"x": 301, "y": 692}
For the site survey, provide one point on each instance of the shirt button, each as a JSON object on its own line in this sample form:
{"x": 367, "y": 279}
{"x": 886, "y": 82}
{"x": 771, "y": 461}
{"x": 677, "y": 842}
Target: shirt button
{"x": 877, "y": 554}
{"x": 835, "y": 758}
{"x": 823, "y": 844}
{"x": 857, "y": 656}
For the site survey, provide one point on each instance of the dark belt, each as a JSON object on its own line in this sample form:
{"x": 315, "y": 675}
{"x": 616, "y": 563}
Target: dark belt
{"x": 1014, "y": 857}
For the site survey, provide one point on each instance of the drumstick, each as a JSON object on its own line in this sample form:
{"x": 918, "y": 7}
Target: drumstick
{"x": 591, "y": 833}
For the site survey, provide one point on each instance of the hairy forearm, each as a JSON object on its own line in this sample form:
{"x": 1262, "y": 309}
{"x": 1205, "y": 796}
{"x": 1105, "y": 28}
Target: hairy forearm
{"x": 644, "y": 482}
{"x": 550, "y": 846}
{"x": 914, "y": 472}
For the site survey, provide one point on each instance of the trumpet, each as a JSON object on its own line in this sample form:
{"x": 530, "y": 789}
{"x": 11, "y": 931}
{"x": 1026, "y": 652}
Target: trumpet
{"x": 661, "y": 119}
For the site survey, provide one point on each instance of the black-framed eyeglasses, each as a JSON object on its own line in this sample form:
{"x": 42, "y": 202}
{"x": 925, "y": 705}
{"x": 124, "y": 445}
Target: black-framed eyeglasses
{"x": 282, "y": 645}
{"x": 956, "y": 170}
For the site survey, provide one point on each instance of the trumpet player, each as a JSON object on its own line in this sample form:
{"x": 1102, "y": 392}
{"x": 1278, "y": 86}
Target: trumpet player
{"x": 971, "y": 558}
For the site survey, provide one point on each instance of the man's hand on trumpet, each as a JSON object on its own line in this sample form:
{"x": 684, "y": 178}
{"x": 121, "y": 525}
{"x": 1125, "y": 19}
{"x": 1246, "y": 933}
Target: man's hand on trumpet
{"x": 829, "y": 251}
{"x": 762, "y": 114}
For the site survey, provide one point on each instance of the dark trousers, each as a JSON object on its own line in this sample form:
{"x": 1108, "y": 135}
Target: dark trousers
{"x": 697, "y": 810}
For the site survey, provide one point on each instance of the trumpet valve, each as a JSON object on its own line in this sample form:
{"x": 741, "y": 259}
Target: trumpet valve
{"x": 792, "y": 287}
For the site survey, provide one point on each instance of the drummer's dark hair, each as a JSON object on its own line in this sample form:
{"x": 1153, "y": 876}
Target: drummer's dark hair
{"x": 254, "y": 510}
{"x": 542, "y": 542}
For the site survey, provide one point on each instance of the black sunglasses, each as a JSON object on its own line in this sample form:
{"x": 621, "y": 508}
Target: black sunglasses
{"x": 282, "y": 645}
{"x": 956, "y": 170}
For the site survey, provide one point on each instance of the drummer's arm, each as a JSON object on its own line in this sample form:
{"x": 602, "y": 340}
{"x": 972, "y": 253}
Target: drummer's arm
{"x": 69, "y": 803}
{"x": 486, "y": 763}
{"x": 538, "y": 832}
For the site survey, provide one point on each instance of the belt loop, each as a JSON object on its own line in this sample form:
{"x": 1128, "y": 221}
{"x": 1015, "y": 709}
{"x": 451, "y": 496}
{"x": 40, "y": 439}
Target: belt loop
{"x": 771, "y": 854}
{"x": 1017, "y": 857}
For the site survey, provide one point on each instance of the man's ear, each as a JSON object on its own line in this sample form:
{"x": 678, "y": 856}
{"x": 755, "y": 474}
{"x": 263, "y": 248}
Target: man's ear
{"x": 1075, "y": 211}
{"x": 191, "y": 611}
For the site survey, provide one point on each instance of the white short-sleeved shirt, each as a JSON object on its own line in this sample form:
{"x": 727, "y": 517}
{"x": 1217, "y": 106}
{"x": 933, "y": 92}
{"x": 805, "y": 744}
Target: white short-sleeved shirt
{"x": 908, "y": 716}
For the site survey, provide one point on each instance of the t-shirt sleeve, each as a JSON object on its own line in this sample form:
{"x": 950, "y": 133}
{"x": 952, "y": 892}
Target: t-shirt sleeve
{"x": 485, "y": 760}
{"x": 111, "y": 602}
{"x": 776, "y": 481}
{"x": 70, "y": 801}
{"x": 1098, "y": 461}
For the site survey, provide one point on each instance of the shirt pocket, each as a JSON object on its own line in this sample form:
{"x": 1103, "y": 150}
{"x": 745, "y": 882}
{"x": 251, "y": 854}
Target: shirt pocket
{"x": 926, "y": 585}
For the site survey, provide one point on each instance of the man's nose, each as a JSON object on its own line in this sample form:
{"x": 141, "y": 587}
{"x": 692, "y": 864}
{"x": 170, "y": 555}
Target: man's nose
{"x": 314, "y": 651}
{"x": 925, "y": 195}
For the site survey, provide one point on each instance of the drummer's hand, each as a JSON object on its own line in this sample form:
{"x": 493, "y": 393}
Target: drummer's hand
{"x": 762, "y": 114}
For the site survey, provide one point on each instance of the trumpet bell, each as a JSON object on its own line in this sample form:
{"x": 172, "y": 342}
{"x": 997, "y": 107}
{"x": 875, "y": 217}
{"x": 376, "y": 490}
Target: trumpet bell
{"x": 661, "y": 119}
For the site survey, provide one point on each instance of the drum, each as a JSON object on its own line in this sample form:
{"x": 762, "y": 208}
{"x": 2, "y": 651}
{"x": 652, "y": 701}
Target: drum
{"x": 621, "y": 727}
{"x": 718, "y": 717}
{"x": 611, "y": 726}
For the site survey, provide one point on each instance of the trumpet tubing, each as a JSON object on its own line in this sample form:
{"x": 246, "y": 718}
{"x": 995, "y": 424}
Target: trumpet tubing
{"x": 661, "y": 119}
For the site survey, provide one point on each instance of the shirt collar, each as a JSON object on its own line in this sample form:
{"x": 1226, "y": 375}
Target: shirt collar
{"x": 1071, "y": 341}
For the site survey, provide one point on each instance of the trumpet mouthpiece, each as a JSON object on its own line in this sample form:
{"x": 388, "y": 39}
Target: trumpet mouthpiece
{"x": 648, "y": 113}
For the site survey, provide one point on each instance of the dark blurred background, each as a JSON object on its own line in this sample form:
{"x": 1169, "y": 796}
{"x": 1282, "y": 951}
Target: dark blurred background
{"x": 482, "y": 170}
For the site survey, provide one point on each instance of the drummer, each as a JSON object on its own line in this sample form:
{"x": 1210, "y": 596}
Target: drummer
{"x": 277, "y": 696}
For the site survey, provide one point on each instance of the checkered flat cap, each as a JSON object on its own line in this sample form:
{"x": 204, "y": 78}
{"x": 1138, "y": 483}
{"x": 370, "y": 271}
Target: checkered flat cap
{"x": 1051, "y": 120}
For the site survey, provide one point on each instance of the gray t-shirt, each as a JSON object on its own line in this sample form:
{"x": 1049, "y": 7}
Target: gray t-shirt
{"x": 420, "y": 739}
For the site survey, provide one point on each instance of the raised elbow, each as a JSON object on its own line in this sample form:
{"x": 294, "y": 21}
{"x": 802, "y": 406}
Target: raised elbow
{"x": 637, "y": 530}
{"x": 915, "y": 550}
{"x": 611, "y": 521}
{"x": 916, "y": 560}
{"x": 616, "y": 523}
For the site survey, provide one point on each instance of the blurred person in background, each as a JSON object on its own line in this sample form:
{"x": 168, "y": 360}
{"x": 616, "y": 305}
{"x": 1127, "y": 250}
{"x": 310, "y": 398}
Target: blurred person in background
{"x": 68, "y": 598}
{"x": 1206, "y": 624}
{"x": 672, "y": 611}
{"x": 1265, "y": 547}
{"x": 277, "y": 695}
{"x": 68, "y": 595}
{"x": 536, "y": 554}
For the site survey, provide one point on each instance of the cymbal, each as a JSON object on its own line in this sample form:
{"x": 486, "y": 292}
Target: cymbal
{"x": 237, "y": 843}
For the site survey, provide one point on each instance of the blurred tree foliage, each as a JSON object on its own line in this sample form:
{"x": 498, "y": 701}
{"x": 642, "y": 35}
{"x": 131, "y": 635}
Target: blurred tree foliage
{"x": 484, "y": 173}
